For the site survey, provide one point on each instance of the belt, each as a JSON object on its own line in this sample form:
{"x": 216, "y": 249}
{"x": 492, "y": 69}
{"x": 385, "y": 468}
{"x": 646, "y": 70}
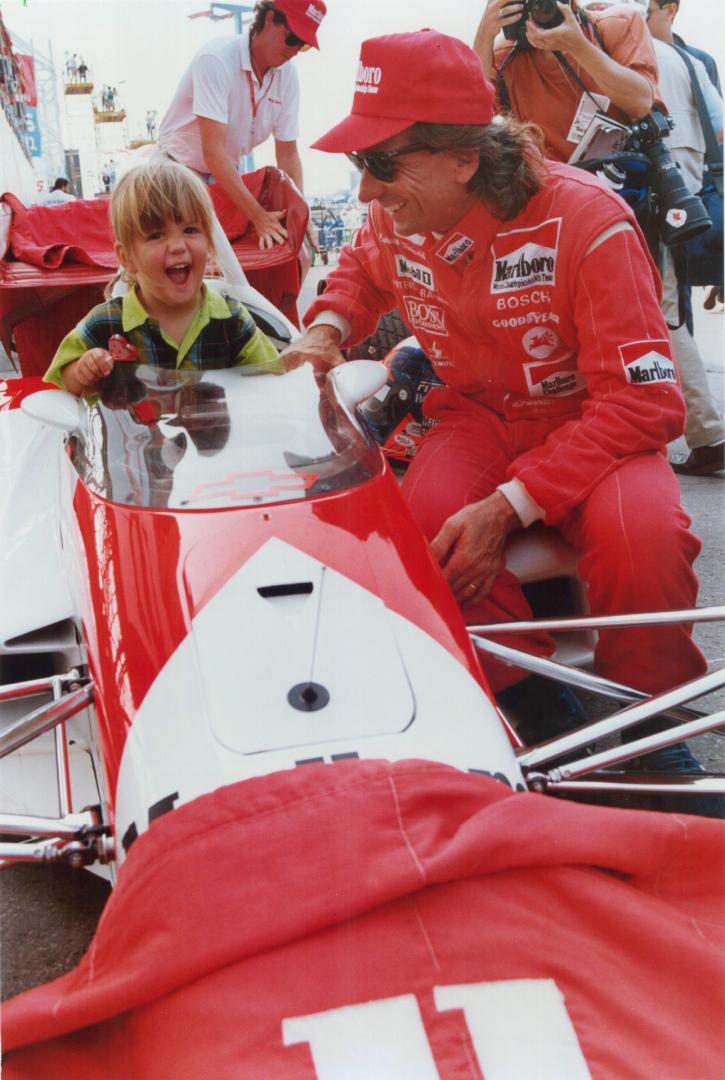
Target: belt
{"x": 207, "y": 178}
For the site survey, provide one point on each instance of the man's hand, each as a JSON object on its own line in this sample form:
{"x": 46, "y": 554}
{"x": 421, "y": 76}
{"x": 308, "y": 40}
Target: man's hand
{"x": 567, "y": 37}
{"x": 320, "y": 346}
{"x": 268, "y": 226}
{"x": 84, "y": 374}
{"x": 497, "y": 14}
{"x": 626, "y": 88}
{"x": 470, "y": 546}
{"x": 266, "y": 223}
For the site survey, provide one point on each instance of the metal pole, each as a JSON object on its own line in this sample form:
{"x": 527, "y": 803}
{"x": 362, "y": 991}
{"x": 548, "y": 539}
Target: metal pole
{"x": 584, "y": 680}
{"x": 623, "y": 720}
{"x": 44, "y": 719}
{"x": 62, "y": 769}
{"x": 603, "y": 622}
{"x": 637, "y": 747}
{"x": 29, "y": 825}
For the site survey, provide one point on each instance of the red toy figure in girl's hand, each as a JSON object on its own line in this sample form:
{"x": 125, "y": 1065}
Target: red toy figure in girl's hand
{"x": 120, "y": 349}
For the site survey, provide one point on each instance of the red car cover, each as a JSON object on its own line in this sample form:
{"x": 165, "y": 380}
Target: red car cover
{"x": 368, "y": 919}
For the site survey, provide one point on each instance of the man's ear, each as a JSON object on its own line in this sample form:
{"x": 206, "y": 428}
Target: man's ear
{"x": 466, "y": 163}
{"x": 125, "y": 257}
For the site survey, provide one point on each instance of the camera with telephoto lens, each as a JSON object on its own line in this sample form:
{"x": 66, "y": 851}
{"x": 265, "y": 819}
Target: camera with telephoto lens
{"x": 545, "y": 14}
{"x": 680, "y": 215}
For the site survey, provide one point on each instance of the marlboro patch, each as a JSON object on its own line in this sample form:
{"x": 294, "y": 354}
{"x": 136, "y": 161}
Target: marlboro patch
{"x": 558, "y": 379}
{"x": 647, "y": 362}
{"x": 525, "y": 257}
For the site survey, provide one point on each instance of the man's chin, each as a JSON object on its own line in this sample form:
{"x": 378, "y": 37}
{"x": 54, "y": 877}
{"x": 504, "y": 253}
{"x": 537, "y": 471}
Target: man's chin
{"x": 401, "y": 228}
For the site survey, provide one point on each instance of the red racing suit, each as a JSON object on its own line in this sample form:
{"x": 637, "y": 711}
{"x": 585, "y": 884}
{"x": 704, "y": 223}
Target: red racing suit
{"x": 521, "y": 317}
{"x": 551, "y": 323}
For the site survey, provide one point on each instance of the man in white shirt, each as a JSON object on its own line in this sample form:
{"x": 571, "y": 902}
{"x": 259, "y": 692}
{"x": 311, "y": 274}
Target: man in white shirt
{"x": 705, "y": 430}
{"x": 235, "y": 93}
{"x": 58, "y": 194}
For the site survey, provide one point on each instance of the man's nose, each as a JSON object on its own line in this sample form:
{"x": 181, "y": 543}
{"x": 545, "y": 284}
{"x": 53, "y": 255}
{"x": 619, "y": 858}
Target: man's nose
{"x": 370, "y": 187}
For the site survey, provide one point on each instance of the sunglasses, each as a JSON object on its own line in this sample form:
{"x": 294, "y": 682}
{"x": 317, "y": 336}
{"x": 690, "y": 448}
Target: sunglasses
{"x": 381, "y": 164}
{"x": 291, "y": 40}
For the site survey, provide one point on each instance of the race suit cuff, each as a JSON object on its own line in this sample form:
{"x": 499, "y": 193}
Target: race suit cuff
{"x": 527, "y": 510}
{"x": 331, "y": 318}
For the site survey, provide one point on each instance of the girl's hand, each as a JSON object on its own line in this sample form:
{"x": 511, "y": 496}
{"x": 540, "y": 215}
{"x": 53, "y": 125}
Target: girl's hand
{"x": 85, "y": 373}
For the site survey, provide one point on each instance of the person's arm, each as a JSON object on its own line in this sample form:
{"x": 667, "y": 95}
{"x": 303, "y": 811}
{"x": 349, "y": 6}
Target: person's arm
{"x": 79, "y": 362}
{"x": 634, "y": 402}
{"x": 360, "y": 287}
{"x": 249, "y": 345}
{"x": 266, "y": 223}
{"x": 713, "y": 101}
{"x": 496, "y": 15}
{"x": 289, "y": 161}
{"x": 320, "y": 345}
{"x": 627, "y": 89}
{"x": 84, "y": 375}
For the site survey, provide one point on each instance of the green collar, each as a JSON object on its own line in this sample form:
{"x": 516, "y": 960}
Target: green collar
{"x": 134, "y": 314}
{"x": 213, "y": 306}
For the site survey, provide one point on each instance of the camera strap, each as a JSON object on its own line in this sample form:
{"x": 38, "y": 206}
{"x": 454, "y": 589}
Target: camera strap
{"x": 587, "y": 24}
{"x": 713, "y": 157}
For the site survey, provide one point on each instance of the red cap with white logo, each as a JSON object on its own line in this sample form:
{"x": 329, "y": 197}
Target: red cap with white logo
{"x": 403, "y": 79}
{"x": 303, "y": 17}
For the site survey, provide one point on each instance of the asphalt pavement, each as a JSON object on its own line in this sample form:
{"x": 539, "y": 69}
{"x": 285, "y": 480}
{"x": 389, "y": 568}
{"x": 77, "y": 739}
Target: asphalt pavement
{"x": 47, "y": 914}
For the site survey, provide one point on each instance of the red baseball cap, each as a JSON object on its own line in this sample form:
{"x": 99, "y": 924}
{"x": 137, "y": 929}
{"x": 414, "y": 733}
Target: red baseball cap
{"x": 403, "y": 79}
{"x": 303, "y": 17}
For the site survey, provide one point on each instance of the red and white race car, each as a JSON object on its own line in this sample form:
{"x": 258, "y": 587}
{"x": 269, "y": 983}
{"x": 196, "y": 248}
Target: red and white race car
{"x": 225, "y": 637}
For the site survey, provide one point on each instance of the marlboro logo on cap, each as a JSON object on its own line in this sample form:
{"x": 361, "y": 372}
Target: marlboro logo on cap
{"x": 303, "y": 17}
{"x": 404, "y": 79}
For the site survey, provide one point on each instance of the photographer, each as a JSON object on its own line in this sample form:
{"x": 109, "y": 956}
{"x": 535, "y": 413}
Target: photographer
{"x": 552, "y": 56}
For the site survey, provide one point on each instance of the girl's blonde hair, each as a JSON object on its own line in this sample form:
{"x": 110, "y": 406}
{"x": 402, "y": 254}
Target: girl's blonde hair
{"x": 150, "y": 195}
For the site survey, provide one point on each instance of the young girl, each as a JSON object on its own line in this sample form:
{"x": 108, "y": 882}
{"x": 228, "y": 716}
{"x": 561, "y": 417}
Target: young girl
{"x": 162, "y": 223}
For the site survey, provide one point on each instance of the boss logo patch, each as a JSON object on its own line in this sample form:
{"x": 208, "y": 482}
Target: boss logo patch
{"x": 424, "y": 316}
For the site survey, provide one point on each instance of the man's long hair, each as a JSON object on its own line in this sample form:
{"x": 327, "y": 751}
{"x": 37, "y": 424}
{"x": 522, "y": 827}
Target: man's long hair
{"x": 511, "y": 159}
{"x": 260, "y": 14}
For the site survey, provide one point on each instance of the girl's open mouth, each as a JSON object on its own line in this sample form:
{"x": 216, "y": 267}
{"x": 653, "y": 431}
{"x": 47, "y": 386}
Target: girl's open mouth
{"x": 179, "y": 273}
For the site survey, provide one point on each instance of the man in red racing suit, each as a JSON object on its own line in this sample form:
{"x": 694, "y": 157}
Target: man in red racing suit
{"x": 530, "y": 288}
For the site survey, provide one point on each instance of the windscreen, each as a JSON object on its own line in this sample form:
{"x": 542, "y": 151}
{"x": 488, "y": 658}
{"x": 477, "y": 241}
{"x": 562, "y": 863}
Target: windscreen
{"x": 197, "y": 440}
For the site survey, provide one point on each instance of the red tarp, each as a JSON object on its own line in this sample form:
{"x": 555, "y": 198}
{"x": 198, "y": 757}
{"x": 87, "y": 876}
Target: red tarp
{"x": 74, "y": 232}
{"x": 51, "y": 249}
{"x": 257, "y": 921}
{"x": 80, "y": 231}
